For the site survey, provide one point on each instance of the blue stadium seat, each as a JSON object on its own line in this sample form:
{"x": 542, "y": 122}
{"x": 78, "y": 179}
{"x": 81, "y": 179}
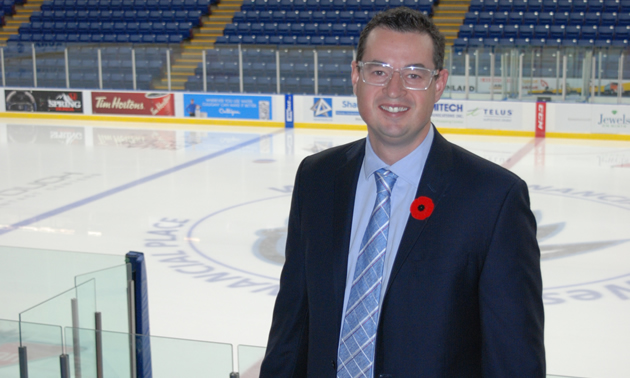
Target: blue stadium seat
{"x": 510, "y": 31}
{"x": 491, "y": 42}
{"x": 297, "y": 29}
{"x": 580, "y": 5}
{"x": 549, "y": 6}
{"x": 592, "y": 18}
{"x": 338, "y": 30}
{"x": 545, "y": 18}
{"x": 480, "y": 31}
{"x": 471, "y": 18}
{"x": 596, "y": 6}
{"x": 354, "y": 29}
{"x": 490, "y": 6}
{"x": 347, "y": 40}
{"x": 305, "y": 16}
{"x": 537, "y": 42}
{"x": 283, "y": 29}
{"x": 576, "y": 18}
{"x": 541, "y": 31}
{"x": 534, "y": 6}
{"x": 623, "y": 43}
{"x": 460, "y": 43}
{"x": 564, "y": 6}
{"x": 561, "y": 18}
{"x": 515, "y": 18}
{"x": 324, "y": 29}
{"x": 573, "y": 31}
{"x": 291, "y": 16}
{"x": 622, "y": 31}
{"x": 475, "y": 6}
{"x": 526, "y": 31}
{"x": 603, "y": 43}
{"x": 520, "y": 6}
{"x": 320, "y": 16}
{"x": 557, "y": 31}
{"x": 611, "y": 5}
{"x": 606, "y": 32}
{"x": 485, "y": 17}
{"x": 530, "y": 18}
{"x": 466, "y": 31}
{"x": 495, "y": 31}
{"x": 589, "y": 32}
{"x": 521, "y": 42}
{"x": 608, "y": 19}
{"x": 505, "y": 6}
{"x": 623, "y": 19}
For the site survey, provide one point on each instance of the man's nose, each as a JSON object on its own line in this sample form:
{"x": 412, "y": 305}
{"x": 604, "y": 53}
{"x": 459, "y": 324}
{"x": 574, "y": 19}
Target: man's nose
{"x": 395, "y": 88}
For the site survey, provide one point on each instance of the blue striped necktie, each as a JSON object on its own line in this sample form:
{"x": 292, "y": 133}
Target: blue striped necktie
{"x": 356, "y": 349}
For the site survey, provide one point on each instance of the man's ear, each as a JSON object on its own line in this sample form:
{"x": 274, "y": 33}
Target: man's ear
{"x": 440, "y": 84}
{"x": 355, "y": 77}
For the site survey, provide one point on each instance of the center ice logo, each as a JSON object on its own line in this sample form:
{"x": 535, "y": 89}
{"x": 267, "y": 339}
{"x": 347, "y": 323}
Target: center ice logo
{"x": 322, "y": 107}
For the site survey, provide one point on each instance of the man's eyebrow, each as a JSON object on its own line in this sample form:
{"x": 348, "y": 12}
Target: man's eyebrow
{"x": 420, "y": 65}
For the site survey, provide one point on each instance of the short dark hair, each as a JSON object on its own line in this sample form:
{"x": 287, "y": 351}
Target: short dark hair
{"x": 403, "y": 19}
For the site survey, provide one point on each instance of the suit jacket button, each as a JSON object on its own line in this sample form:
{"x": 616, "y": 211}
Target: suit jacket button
{"x": 334, "y": 364}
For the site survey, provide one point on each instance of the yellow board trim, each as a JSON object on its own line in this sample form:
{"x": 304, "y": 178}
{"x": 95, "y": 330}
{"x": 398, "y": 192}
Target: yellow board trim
{"x": 300, "y": 125}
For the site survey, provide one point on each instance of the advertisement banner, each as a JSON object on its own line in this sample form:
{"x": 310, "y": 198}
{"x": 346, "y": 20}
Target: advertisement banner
{"x": 288, "y": 111}
{"x": 133, "y": 103}
{"x": 227, "y": 106}
{"x": 449, "y": 113}
{"x": 610, "y": 119}
{"x": 541, "y": 118}
{"x": 494, "y": 115}
{"x": 43, "y": 101}
{"x": 341, "y": 110}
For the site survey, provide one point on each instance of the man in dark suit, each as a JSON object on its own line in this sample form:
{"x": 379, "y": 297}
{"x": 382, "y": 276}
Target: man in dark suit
{"x": 406, "y": 255}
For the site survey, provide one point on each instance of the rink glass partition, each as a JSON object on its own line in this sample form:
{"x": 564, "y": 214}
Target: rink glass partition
{"x": 561, "y": 73}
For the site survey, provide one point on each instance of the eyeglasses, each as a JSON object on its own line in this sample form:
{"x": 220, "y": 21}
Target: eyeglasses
{"x": 414, "y": 78}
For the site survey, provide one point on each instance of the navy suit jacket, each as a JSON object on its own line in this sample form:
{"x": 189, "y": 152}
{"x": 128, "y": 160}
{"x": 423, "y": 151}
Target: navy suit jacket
{"x": 465, "y": 294}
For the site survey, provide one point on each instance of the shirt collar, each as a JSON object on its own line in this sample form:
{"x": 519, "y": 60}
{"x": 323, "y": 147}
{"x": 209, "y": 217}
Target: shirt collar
{"x": 408, "y": 168}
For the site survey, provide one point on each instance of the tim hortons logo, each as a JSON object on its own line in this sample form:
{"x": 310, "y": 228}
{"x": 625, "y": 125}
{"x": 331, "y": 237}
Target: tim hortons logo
{"x": 117, "y": 103}
{"x": 160, "y": 105}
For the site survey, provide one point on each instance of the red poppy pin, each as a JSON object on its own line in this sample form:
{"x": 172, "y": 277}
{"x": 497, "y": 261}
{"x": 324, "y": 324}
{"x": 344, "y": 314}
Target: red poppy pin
{"x": 422, "y": 208}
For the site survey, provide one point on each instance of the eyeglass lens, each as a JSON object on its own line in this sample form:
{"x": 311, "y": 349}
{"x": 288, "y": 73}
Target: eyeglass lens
{"x": 381, "y": 74}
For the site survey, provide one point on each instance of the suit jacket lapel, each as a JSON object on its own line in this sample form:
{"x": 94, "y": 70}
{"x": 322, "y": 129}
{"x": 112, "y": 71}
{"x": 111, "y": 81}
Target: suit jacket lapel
{"x": 343, "y": 208}
{"x": 433, "y": 184}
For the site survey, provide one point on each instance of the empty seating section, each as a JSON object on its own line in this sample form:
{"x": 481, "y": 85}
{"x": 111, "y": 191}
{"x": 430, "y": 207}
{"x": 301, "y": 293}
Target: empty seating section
{"x": 594, "y": 23}
{"x": 116, "y": 66}
{"x": 260, "y": 71}
{"x": 124, "y": 21}
{"x": 307, "y": 22}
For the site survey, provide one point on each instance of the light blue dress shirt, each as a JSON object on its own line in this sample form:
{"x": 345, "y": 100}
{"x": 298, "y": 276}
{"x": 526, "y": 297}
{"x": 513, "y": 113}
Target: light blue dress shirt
{"x": 409, "y": 170}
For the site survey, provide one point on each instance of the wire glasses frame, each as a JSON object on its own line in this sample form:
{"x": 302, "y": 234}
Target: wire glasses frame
{"x": 380, "y": 74}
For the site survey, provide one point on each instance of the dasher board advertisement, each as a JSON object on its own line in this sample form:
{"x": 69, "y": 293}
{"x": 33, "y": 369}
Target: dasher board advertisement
{"x": 43, "y": 101}
{"x": 134, "y": 103}
{"x": 228, "y": 106}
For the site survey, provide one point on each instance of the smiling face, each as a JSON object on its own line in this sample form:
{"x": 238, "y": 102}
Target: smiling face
{"x": 398, "y": 119}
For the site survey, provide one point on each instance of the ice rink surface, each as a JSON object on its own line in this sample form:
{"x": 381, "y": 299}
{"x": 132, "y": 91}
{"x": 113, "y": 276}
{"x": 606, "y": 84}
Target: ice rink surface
{"x": 208, "y": 206}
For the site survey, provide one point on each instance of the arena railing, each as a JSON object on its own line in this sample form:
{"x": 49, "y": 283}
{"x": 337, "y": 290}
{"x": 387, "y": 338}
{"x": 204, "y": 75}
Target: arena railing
{"x": 84, "y": 331}
{"x": 563, "y": 73}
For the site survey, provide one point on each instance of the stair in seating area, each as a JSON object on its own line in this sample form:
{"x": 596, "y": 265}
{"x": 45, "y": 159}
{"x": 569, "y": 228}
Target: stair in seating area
{"x": 448, "y": 15}
{"x": 22, "y": 15}
{"x": 203, "y": 39}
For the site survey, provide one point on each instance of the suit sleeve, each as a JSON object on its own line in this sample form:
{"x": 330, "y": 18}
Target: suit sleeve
{"x": 510, "y": 293}
{"x": 288, "y": 338}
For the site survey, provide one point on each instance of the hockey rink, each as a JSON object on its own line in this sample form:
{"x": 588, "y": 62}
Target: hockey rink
{"x": 208, "y": 207}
